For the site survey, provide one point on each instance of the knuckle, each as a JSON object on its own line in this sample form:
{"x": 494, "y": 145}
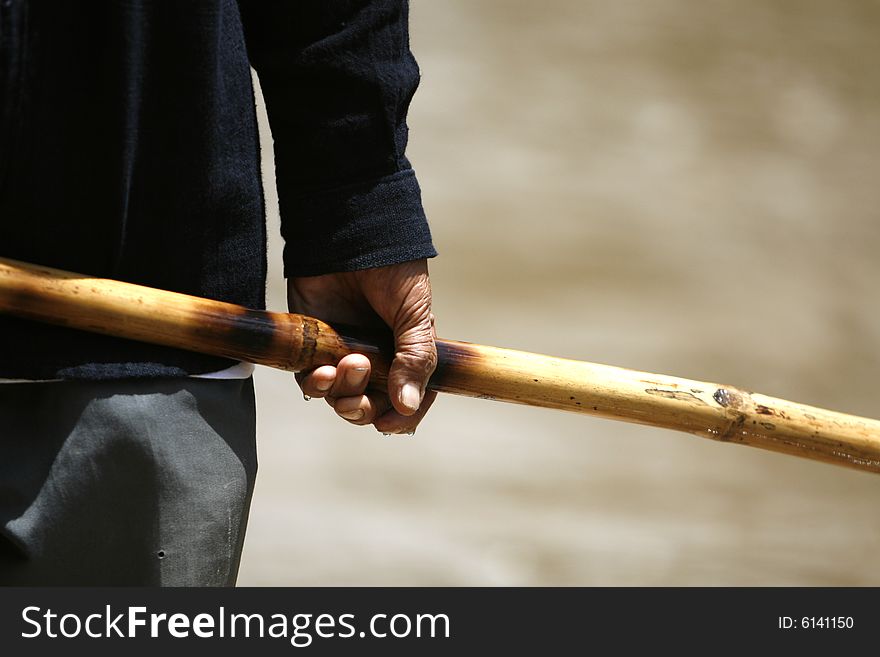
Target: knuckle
{"x": 418, "y": 359}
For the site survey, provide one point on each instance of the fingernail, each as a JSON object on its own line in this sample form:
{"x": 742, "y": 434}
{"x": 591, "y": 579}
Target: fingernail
{"x": 356, "y": 414}
{"x": 411, "y": 396}
{"x": 324, "y": 386}
{"x": 356, "y": 375}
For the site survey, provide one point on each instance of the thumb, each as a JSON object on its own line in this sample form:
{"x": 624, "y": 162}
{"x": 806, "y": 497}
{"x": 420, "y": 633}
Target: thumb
{"x": 414, "y": 361}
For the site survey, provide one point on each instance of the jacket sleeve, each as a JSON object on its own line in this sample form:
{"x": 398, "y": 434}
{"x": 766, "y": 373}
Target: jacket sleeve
{"x": 338, "y": 77}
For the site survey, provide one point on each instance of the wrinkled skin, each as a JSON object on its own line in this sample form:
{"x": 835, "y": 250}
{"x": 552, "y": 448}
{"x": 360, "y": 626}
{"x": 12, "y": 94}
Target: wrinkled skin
{"x": 398, "y": 296}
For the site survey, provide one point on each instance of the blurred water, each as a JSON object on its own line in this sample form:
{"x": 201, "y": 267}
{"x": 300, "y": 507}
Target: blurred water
{"x": 679, "y": 187}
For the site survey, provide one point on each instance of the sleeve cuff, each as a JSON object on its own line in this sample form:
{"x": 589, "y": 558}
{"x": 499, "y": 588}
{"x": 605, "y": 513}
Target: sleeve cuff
{"x": 360, "y": 226}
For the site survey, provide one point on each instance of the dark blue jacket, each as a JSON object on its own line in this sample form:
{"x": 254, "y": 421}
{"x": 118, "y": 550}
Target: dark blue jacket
{"x": 129, "y": 150}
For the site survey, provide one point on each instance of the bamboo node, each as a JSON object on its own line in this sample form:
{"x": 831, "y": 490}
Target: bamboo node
{"x": 736, "y": 425}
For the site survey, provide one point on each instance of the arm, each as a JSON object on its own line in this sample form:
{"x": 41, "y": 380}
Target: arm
{"x": 338, "y": 76}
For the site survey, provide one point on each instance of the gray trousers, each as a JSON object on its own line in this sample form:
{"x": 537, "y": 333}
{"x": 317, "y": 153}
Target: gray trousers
{"x": 136, "y": 483}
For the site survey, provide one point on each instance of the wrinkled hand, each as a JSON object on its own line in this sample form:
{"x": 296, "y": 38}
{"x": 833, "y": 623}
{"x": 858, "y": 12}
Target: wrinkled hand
{"x": 397, "y": 296}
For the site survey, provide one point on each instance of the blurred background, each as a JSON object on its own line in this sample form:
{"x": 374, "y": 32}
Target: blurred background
{"x": 681, "y": 187}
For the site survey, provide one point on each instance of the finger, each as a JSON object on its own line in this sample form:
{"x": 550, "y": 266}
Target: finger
{"x": 352, "y": 377}
{"x": 394, "y": 422}
{"x": 414, "y": 361}
{"x": 364, "y": 409}
{"x": 318, "y": 382}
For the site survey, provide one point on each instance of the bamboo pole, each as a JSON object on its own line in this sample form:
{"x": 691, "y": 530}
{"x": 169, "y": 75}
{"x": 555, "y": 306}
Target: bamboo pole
{"x": 296, "y": 342}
